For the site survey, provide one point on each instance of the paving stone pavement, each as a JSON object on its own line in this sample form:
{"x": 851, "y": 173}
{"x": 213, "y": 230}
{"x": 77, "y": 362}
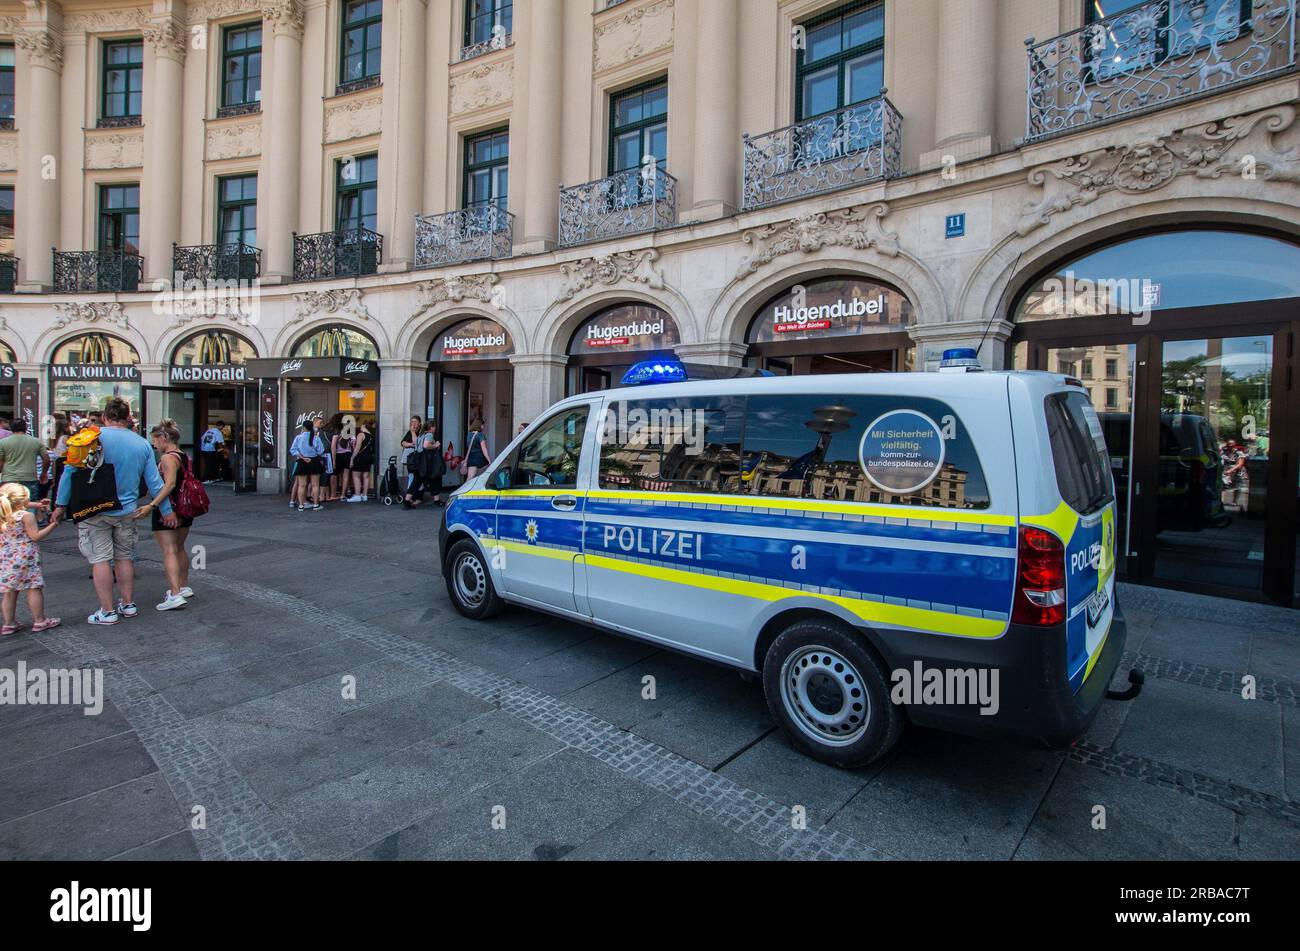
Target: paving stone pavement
{"x": 320, "y": 699}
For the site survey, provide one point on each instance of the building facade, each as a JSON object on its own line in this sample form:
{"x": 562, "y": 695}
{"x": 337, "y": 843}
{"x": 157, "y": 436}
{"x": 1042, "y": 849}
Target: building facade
{"x": 253, "y": 213}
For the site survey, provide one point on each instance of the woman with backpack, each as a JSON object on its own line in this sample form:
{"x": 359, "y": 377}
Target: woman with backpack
{"x": 363, "y": 460}
{"x": 176, "y": 468}
{"x": 427, "y": 467}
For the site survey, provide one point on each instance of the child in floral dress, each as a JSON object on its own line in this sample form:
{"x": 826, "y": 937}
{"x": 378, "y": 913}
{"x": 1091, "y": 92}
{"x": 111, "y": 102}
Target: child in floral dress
{"x": 20, "y": 559}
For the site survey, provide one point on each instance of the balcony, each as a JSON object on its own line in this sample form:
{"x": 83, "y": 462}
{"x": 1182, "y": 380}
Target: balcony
{"x": 217, "y": 262}
{"x": 630, "y": 202}
{"x": 1153, "y": 56}
{"x": 853, "y": 146}
{"x": 89, "y": 272}
{"x": 8, "y": 273}
{"x": 331, "y": 254}
{"x": 482, "y": 233}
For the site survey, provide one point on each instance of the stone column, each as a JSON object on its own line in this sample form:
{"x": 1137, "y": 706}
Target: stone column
{"x": 539, "y": 382}
{"x": 403, "y": 115}
{"x": 966, "y": 104}
{"x": 38, "y": 180}
{"x": 278, "y": 189}
{"x": 166, "y": 40}
{"x": 717, "y": 136}
{"x": 722, "y": 353}
{"x": 990, "y": 338}
{"x": 542, "y": 161}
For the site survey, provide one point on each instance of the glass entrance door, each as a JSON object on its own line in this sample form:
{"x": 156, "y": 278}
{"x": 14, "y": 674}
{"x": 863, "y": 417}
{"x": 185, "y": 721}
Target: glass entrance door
{"x": 1212, "y": 437}
{"x": 244, "y": 442}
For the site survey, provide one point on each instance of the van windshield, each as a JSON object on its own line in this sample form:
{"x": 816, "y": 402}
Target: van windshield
{"x": 1079, "y": 453}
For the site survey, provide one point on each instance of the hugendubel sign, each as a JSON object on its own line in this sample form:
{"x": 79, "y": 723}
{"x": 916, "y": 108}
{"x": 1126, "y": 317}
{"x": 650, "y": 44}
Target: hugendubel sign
{"x": 786, "y": 319}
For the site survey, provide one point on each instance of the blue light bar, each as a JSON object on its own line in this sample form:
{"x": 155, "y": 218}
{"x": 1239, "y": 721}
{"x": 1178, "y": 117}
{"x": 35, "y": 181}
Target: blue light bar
{"x": 960, "y": 357}
{"x": 654, "y": 371}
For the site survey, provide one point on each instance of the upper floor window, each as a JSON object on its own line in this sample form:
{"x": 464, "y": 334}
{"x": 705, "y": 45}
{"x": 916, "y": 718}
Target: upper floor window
{"x": 357, "y": 193}
{"x": 122, "y": 82}
{"x": 6, "y": 219}
{"x": 237, "y": 210}
{"x": 1155, "y": 29}
{"x": 241, "y": 66}
{"x": 119, "y": 218}
{"x": 6, "y": 85}
{"x": 359, "y": 55}
{"x": 638, "y": 126}
{"x": 488, "y": 23}
{"x": 842, "y": 59}
{"x": 487, "y": 172}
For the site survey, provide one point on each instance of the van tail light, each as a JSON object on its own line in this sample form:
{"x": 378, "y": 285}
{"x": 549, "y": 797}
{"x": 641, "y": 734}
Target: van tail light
{"x": 1040, "y": 583}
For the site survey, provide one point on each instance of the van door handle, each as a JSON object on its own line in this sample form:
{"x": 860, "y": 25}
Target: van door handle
{"x": 566, "y": 503}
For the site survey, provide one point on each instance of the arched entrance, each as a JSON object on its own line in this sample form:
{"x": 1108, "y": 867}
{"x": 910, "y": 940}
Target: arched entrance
{"x": 611, "y": 341}
{"x": 470, "y": 377}
{"x": 1186, "y": 342}
{"x": 831, "y": 324}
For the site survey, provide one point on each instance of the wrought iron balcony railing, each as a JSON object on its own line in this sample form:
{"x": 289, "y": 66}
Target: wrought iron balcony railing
{"x": 8, "y": 273}
{"x": 82, "y": 272}
{"x": 330, "y": 254}
{"x": 629, "y": 202}
{"x": 234, "y": 261}
{"x": 1154, "y": 55}
{"x": 852, "y": 146}
{"x": 481, "y": 233}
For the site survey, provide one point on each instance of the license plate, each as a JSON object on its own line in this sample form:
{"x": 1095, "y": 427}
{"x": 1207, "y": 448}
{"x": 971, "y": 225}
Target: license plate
{"x": 1097, "y": 607}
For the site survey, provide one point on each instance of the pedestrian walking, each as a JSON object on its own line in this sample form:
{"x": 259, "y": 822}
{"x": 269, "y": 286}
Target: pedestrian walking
{"x": 20, "y": 454}
{"x": 107, "y": 527}
{"x": 211, "y": 443}
{"x": 173, "y": 464}
{"x": 476, "y": 451}
{"x": 20, "y": 560}
{"x": 428, "y": 467}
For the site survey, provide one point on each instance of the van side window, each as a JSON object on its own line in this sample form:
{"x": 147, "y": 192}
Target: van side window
{"x": 808, "y": 447}
{"x": 1079, "y": 452}
{"x": 550, "y": 456}
{"x": 688, "y": 444}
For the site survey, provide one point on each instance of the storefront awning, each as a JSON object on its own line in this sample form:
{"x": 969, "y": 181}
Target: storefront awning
{"x": 314, "y": 368}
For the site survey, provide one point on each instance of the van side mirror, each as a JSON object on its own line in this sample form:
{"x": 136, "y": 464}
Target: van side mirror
{"x": 501, "y": 479}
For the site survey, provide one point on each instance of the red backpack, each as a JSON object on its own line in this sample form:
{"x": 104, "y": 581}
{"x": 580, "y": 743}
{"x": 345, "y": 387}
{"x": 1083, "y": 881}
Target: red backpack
{"x": 190, "y": 499}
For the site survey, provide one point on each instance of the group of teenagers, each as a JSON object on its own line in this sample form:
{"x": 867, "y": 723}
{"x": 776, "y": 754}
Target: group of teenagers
{"x": 147, "y": 474}
{"x": 333, "y": 462}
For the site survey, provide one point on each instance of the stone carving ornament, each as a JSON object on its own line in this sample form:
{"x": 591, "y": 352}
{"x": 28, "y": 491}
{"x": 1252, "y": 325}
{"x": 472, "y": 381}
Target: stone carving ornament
{"x": 42, "y": 48}
{"x": 167, "y": 38}
{"x": 115, "y": 150}
{"x": 354, "y": 118}
{"x": 489, "y": 84}
{"x": 236, "y": 140}
{"x": 479, "y": 287}
{"x": 1245, "y": 146}
{"x": 637, "y": 267}
{"x": 644, "y": 29}
{"x": 810, "y": 232}
{"x": 89, "y": 312}
{"x": 346, "y": 302}
{"x": 284, "y": 17}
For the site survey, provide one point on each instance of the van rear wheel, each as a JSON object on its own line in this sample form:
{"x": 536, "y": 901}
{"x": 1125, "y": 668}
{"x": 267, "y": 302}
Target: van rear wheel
{"x": 469, "y": 583}
{"x": 830, "y": 693}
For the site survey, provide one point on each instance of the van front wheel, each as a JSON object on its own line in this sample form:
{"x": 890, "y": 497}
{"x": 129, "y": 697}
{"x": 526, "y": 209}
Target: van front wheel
{"x": 469, "y": 583}
{"x": 831, "y": 694}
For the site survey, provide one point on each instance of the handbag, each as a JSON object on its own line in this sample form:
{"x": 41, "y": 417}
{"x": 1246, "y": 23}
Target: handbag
{"x": 94, "y": 492}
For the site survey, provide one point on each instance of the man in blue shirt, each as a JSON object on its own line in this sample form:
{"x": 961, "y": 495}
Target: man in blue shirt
{"x": 110, "y": 537}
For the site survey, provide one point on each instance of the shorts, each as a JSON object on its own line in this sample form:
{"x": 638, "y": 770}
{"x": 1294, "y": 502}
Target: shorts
{"x": 103, "y": 538}
{"x": 342, "y": 460}
{"x": 158, "y": 526}
{"x": 309, "y": 468}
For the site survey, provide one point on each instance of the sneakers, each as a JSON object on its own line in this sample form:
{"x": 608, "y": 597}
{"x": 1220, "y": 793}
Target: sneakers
{"x": 316, "y": 507}
{"x": 127, "y": 609}
{"x": 171, "y": 602}
{"x": 186, "y": 592}
{"x": 103, "y": 617}
{"x": 302, "y": 508}
{"x": 292, "y": 505}
{"x": 355, "y": 498}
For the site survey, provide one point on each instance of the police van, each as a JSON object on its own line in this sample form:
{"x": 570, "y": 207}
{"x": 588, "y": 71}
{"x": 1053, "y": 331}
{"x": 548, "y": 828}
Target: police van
{"x": 878, "y": 548}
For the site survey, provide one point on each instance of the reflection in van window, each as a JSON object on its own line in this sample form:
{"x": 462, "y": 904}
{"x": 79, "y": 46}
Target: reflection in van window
{"x": 550, "y": 456}
{"x": 672, "y": 445}
{"x": 807, "y": 447}
{"x": 1079, "y": 452}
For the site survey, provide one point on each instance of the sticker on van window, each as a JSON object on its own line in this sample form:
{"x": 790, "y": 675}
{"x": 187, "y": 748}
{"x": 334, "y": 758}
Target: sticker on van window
{"x": 902, "y": 451}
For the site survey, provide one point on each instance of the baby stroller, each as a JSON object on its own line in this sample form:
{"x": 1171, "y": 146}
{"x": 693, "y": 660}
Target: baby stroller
{"x": 390, "y": 486}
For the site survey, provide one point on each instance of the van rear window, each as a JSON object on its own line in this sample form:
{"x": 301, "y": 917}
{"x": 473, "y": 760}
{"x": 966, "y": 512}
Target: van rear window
{"x": 1079, "y": 452}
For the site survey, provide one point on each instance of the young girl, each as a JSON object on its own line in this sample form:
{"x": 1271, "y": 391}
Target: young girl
{"x": 20, "y": 559}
